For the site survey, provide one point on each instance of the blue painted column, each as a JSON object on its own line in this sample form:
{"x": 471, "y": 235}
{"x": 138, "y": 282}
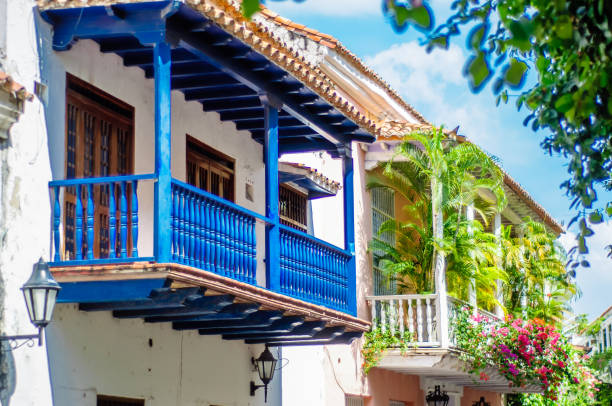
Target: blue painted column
{"x": 272, "y": 230}
{"x": 349, "y": 227}
{"x": 163, "y": 200}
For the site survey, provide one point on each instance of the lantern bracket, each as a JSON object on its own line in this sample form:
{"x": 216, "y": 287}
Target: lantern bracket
{"x": 20, "y": 340}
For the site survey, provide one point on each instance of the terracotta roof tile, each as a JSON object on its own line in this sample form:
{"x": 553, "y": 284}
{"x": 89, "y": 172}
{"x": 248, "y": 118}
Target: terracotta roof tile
{"x": 9, "y": 85}
{"x": 333, "y": 43}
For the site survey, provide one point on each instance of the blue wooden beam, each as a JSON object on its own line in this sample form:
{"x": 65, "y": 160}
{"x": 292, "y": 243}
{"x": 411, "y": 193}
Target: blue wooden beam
{"x": 197, "y": 81}
{"x": 348, "y": 190}
{"x": 219, "y": 92}
{"x": 259, "y": 124}
{"x": 327, "y": 333}
{"x": 293, "y": 104}
{"x": 304, "y": 331}
{"x": 163, "y": 111}
{"x": 147, "y": 22}
{"x": 282, "y": 326}
{"x": 157, "y": 298}
{"x": 257, "y": 320}
{"x": 193, "y": 306}
{"x": 271, "y": 167}
{"x": 105, "y": 291}
{"x": 236, "y": 311}
{"x": 231, "y": 104}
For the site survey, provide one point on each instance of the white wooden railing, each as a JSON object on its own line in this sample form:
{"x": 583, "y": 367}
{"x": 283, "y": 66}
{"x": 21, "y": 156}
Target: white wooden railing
{"x": 412, "y": 313}
{"x": 416, "y": 314}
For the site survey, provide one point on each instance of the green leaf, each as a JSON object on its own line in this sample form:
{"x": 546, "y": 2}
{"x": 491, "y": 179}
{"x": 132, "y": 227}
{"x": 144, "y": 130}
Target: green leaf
{"x": 564, "y": 103}
{"x": 515, "y": 73}
{"x": 595, "y": 217}
{"x": 249, "y": 7}
{"x": 477, "y": 70}
{"x": 542, "y": 64}
{"x": 420, "y": 16}
{"x": 564, "y": 28}
{"x": 476, "y": 36}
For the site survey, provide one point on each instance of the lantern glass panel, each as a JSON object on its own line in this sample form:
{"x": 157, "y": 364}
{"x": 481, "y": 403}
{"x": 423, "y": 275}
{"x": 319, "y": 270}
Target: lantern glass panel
{"x": 39, "y": 297}
{"x": 51, "y": 297}
{"x": 27, "y": 294}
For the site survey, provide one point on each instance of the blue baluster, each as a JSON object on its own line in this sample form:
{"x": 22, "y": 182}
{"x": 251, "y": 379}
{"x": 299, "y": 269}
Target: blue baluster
{"x": 283, "y": 269}
{"x": 191, "y": 228}
{"x": 198, "y": 231}
{"x": 253, "y": 250}
{"x": 90, "y": 221}
{"x": 135, "y": 218}
{"x": 124, "y": 220}
{"x": 240, "y": 219}
{"x": 112, "y": 222}
{"x": 293, "y": 265}
{"x": 175, "y": 223}
{"x": 56, "y": 223}
{"x": 79, "y": 224}
{"x": 217, "y": 238}
{"x": 224, "y": 241}
{"x": 208, "y": 246}
{"x": 235, "y": 233}
{"x": 182, "y": 225}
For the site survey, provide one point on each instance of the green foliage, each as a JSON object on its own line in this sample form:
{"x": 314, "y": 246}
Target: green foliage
{"x": 568, "y": 44}
{"x": 378, "y": 341}
{"x": 449, "y": 170}
{"x": 535, "y": 266}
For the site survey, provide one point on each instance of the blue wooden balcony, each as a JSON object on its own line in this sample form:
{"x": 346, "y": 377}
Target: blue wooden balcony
{"x": 153, "y": 247}
{"x": 207, "y": 233}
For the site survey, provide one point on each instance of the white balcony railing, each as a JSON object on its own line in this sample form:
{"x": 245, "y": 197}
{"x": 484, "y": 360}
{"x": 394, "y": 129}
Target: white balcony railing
{"x": 416, "y": 313}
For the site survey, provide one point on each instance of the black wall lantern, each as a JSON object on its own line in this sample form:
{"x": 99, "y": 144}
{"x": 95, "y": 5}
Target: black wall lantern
{"x": 437, "y": 397}
{"x": 481, "y": 402}
{"x": 265, "y": 364}
{"x": 40, "y": 293}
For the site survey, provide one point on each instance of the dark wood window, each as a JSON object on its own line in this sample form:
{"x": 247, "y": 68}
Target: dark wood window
{"x": 210, "y": 170}
{"x": 292, "y": 206}
{"x": 102, "y": 400}
{"x": 99, "y": 142}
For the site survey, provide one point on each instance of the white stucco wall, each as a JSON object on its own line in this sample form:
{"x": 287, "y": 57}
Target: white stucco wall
{"x": 92, "y": 353}
{"x": 24, "y": 212}
{"x": 333, "y": 371}
{"x": 107, "y": 72}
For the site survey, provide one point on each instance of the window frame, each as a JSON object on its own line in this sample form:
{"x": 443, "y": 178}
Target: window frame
{"x": 212, "y": 156}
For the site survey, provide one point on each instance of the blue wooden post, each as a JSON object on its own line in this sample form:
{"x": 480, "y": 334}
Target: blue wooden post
{"x": 90, "y": 221}
{"x": 124, "y": 220}
{"x": 79, "y": 224}
{"x": 56, "y": 223}
{"x": 163, "y": 202}
{"x": 272, "y": 230}
{"x": 112, "y": 222}
{"x": 135, "y": 218}
{"x": 349, "y": 229}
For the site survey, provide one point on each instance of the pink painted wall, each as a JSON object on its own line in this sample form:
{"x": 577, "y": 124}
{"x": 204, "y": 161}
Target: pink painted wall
{"x": 472, "y": 395}
{"x": 386, "y": 385}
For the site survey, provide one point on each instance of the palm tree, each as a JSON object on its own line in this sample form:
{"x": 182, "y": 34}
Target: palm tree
{"x": 538, "y": 284}
{"x": 439, "y": 178}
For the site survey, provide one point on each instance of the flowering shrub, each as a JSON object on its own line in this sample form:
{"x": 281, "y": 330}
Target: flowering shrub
{"x": 377, "y": 341}
{"x": 525, "y": 352}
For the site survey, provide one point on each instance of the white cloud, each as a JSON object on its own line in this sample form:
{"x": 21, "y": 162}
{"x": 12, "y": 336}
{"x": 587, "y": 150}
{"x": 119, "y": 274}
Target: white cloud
{"x": 340, "y": 8}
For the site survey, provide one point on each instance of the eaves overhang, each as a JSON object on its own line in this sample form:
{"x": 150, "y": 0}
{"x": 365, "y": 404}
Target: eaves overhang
{"x": 445, "y": 365}
{"x": 193, "y": 299}
{"x": 222, "y": 60}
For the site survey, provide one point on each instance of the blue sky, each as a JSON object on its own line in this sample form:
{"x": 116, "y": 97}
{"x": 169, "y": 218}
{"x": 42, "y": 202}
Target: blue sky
{"x": 433, "y": 84}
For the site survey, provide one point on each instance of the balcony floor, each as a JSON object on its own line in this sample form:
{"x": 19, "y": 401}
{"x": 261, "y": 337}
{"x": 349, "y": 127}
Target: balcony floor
{"x": 192, "y": 298}
{"x": 442, "y": 365}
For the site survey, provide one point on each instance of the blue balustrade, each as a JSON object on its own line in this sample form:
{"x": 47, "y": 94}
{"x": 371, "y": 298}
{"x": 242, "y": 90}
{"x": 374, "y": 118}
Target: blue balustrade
{"x": 206, "y": 232}
{"x": 118, "y": 214}
{"x": 313, "y": 270}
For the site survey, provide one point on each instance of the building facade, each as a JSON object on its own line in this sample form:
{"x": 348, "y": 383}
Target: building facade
{"x": 197, "y": 182}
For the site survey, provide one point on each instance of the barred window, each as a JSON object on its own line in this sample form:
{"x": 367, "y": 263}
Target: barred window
{"x": 292, "y": 206}
{"x": 383, "y": 209}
